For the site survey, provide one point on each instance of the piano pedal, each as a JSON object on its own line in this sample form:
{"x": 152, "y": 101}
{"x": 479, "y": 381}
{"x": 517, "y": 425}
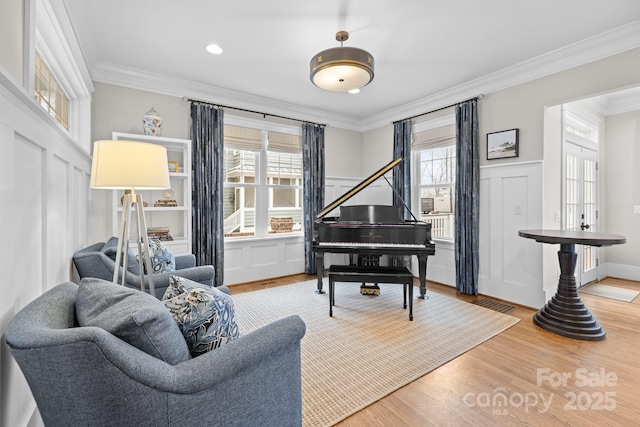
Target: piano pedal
{"x": 370, "y": 290}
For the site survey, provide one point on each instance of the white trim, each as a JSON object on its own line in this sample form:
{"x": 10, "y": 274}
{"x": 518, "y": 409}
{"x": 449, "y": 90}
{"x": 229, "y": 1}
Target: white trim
{"x": 137, "y": 79}
{"x": 621, "y": 271}
{"x": 29, "y": 45}
{"x": 48, "y": 29}
{"x": 609, "y": 43}
{"x": 26, "y": 101}
{"x": 263, "y": 125}
{"x": 509, "y": 164}
{"x": 449, "y": 119}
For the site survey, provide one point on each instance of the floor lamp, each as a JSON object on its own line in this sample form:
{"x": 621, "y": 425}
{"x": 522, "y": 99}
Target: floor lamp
{"x": 130, "y": 166}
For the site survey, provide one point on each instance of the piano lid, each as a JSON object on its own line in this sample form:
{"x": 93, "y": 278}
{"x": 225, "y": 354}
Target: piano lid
{"x": 355, "y": 190}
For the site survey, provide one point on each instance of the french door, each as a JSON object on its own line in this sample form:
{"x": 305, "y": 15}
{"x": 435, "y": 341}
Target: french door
{"x": 580, "y": 204}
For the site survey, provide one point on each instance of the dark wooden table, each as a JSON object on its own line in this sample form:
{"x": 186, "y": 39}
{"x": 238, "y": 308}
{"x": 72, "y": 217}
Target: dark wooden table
{"x": 565, "y": 314}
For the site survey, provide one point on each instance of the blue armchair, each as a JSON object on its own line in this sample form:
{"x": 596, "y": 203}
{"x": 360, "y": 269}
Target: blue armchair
{"x": 98, "y": 260}
{"x": 87, "y": 376}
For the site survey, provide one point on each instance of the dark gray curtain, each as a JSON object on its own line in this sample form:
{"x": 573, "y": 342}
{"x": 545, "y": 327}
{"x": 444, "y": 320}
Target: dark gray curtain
{"x": 467, "y": 197}
{"x": 313, "y": 182}
{"x": 402, "y": 176}
{"x": 207, "y": 141}
{"x": 402, "y": 173}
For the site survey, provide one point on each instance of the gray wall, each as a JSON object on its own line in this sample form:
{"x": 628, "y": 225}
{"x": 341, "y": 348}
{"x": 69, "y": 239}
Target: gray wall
{"x": 343, "y": 153}
{"x": 120, "y": 109}
{"x": 622, "y": 185}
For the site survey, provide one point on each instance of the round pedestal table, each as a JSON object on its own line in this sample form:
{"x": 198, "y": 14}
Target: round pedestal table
{"x": 565, "y": 314}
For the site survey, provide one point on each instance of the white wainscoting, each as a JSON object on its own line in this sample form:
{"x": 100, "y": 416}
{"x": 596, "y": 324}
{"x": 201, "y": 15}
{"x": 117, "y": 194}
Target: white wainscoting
{"x": 44, "y": 188}
{"x": 511, "y": 267}
{"x": 250, "y": 259}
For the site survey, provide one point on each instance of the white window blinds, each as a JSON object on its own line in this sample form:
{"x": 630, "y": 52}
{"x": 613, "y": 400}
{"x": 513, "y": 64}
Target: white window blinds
{"x": 284, "y": 143}
{"x": 241, "y": 138}
{"x": 434, "y": 138}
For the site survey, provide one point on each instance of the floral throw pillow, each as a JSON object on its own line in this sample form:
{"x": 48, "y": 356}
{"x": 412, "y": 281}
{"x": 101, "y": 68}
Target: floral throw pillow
{"x": 162, "y": 260}
{"x": 205, "y": 315}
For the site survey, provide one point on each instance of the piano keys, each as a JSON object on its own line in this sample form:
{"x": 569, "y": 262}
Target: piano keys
{"x": 371, "y": 230}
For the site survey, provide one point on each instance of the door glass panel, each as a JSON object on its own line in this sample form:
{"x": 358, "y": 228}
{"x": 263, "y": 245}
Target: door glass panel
{"x": 589, "y": 210}
{"x": 572, "y": 195}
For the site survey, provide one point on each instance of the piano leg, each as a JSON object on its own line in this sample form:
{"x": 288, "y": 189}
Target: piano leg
{"x": 422, "y": 271}
{"x": 320, "y": 270}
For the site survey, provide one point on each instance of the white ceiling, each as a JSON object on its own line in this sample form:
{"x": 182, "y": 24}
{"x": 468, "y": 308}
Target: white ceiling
{"x": 422, "y": 48}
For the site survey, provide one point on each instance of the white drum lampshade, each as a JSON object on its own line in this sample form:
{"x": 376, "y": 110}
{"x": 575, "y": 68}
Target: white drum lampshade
{"x": 123, "y": 164}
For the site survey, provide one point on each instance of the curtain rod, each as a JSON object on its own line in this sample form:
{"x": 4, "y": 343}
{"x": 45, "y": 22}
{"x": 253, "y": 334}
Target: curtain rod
{"x": 439, "y": 109}
{"x": 187, "y": 99}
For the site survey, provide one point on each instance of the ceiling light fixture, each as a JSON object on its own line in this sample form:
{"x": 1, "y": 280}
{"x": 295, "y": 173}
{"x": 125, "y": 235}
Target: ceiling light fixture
{"x": 214, "y": 49}
{"x": 341, "y": 69}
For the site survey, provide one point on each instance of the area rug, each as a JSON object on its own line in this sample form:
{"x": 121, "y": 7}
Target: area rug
{"x": 369, "y": 348}
{"x": 608, "y": 291}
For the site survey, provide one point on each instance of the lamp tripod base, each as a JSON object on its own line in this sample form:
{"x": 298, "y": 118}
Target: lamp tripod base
{"x": 130, "y": 202}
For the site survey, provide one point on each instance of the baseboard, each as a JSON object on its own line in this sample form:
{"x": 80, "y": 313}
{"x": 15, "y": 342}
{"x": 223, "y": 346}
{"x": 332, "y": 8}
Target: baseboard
{"x": 620, "y": 271}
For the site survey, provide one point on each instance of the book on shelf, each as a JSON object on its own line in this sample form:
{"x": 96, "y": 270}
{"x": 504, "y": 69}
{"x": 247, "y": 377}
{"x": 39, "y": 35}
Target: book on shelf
{"x": 159, "y": 233}
{"x": 165, "y": 203}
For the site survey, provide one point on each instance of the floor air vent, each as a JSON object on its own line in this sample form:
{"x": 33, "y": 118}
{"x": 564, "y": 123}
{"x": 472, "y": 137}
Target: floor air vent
{"x": 493, "y": 305}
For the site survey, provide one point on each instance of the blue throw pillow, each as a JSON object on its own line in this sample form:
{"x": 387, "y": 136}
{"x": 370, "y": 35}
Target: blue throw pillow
{"x": 133, "y": 316}
{"x": 162, "y": 261}
{"x": 110, "y": 249}
{"x": 205, "y": 315}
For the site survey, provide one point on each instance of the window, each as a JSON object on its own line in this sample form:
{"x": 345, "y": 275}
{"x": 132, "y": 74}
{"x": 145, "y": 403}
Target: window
{"x": 262, "y": 181}
{"x": 434, "y": 154}
{"x": 56, "y": 72}
{"x": 49, "y": 94}
{"x": 579, "y": 127}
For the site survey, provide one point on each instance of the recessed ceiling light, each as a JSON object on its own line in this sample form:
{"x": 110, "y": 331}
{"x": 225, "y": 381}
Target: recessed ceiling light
{"x": 354, "y": 90}
{"x": 214, "y": 49}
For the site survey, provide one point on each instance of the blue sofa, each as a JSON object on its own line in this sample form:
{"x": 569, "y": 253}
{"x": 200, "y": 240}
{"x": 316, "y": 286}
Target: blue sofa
{"x": 87, "y": 376}
{"x": 98, "y": 261}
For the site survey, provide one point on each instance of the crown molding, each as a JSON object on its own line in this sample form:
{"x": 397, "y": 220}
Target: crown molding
{"x": 622, "y": 106}
{"x": 624, "y": 101}
{"x": 136, "y": 79}
{"x": 610, "y": 43}
{"x": 592, "y": 49}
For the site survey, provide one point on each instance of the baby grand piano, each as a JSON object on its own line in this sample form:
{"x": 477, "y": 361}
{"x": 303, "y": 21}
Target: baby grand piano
{"x": 371, "y": 230}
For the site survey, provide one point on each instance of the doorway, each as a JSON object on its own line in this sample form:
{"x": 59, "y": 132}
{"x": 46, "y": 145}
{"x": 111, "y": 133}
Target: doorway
{"x": 580, "y": 186}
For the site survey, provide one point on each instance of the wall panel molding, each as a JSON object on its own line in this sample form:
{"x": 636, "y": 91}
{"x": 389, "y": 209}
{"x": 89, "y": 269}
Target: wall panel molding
{"x": 44, "y": 189}
{"x": 510, "y": 200}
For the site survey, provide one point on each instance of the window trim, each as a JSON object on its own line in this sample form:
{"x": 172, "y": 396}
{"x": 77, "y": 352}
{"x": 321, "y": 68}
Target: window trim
{"x": 262, "y": 197}
{"x": 49, "y": 31}
{"x": 423, "y": 126}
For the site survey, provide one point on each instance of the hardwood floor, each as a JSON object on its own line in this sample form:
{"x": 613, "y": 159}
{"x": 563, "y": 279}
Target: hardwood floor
{"x": 525, "y": 376}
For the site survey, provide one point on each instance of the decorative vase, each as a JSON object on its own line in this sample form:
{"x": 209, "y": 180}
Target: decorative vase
{"x": 152, "y": 123}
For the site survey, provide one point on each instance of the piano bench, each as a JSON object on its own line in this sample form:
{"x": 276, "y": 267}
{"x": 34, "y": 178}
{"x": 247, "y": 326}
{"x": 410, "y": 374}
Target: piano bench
{"x": 361, "y": 274}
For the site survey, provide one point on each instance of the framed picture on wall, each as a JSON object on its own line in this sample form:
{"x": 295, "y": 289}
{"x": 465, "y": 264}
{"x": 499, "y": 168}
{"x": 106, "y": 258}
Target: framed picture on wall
{"x": 502, "y": 145}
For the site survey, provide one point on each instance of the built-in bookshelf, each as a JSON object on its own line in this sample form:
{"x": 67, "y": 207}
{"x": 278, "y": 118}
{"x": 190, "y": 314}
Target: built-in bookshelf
{"x": 167, "y": 211}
